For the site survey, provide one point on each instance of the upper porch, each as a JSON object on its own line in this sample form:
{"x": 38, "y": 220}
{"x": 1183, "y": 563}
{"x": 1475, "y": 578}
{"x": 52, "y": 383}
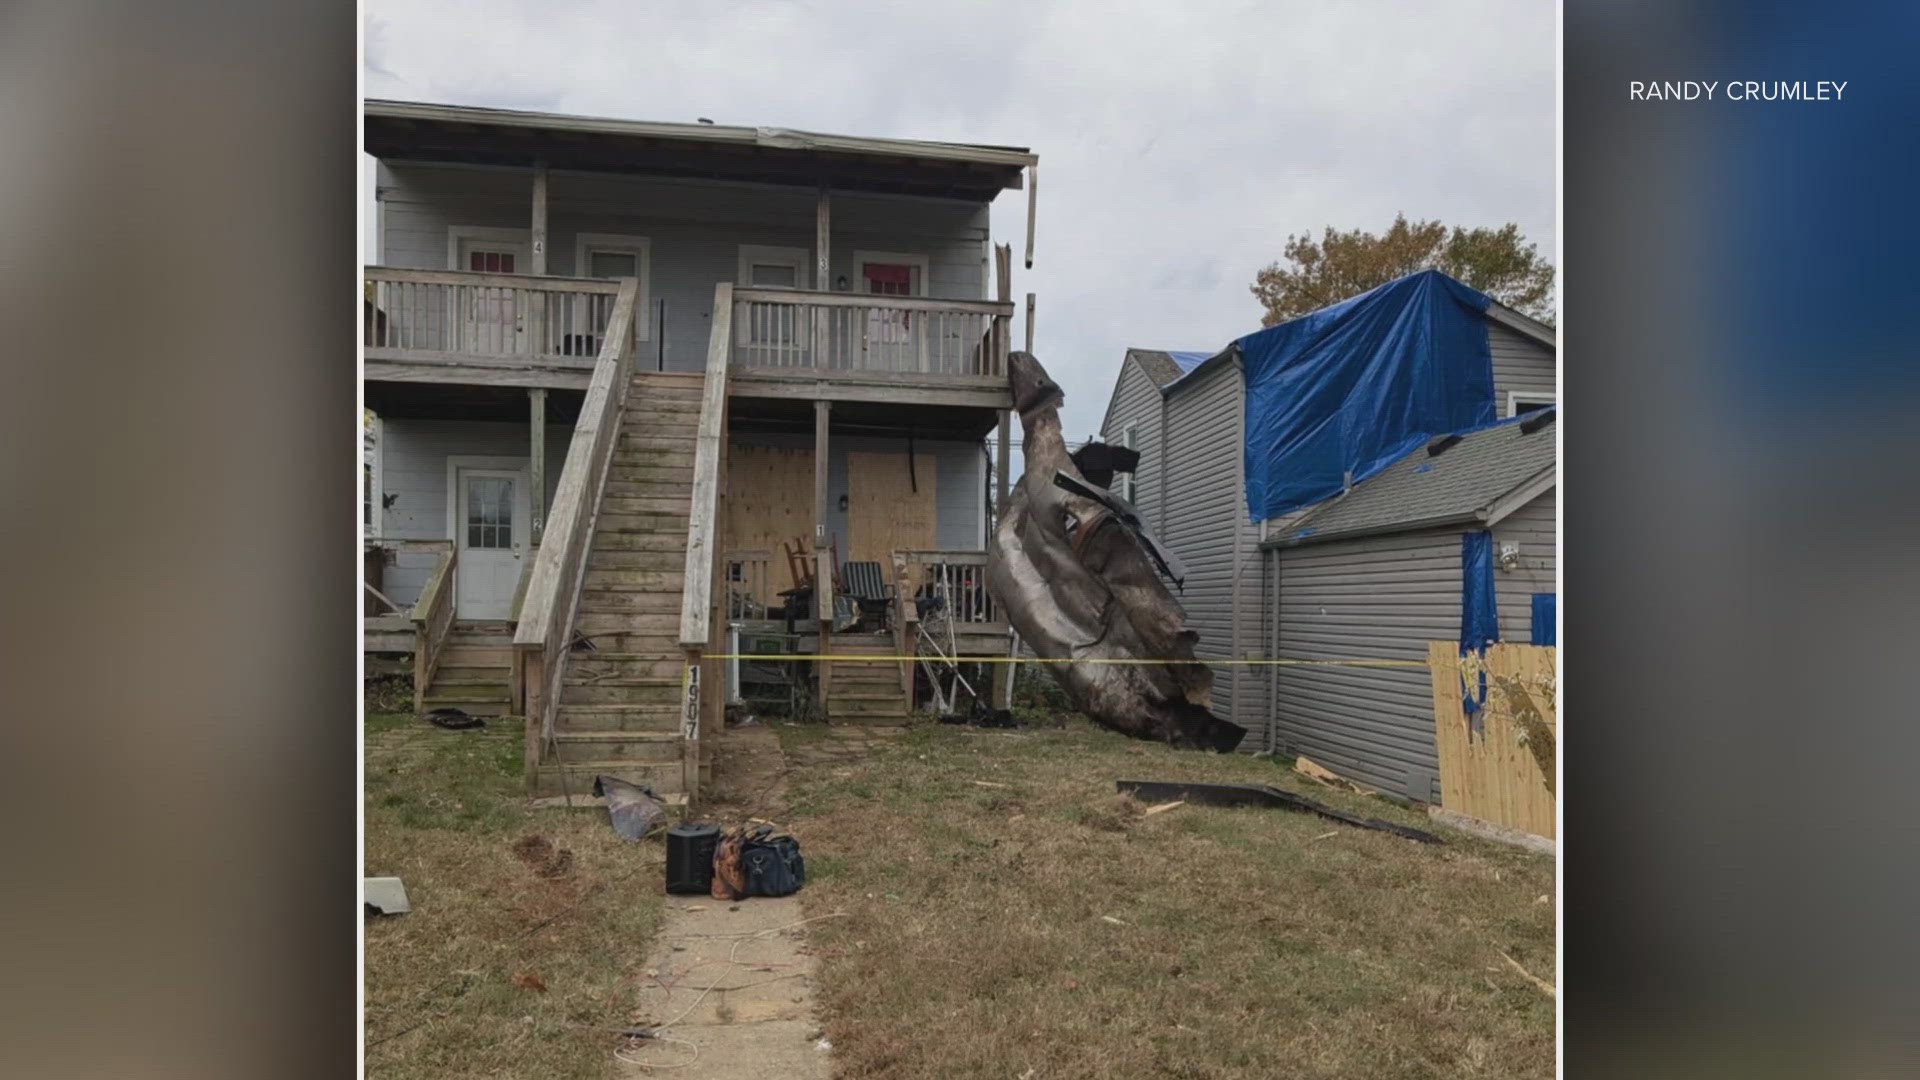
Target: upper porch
{"x": 504, "y": 330}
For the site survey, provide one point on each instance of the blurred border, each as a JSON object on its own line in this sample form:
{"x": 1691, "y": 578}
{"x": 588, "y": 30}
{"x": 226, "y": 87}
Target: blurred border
{"x": 179, "y": 633}
{"x": 1741, "y": 555}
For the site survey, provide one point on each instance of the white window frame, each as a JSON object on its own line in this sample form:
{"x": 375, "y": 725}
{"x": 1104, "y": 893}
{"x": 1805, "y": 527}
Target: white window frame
{"x": 857, "y": 282}
{"x": 801, "y": 259}
{"x": 639, "y": 246}
{"x": 1531, "y": 397}
{"x": 494, "y": 234}
{"x": 378, "y": 526}
{"x": 1128, "y": 436}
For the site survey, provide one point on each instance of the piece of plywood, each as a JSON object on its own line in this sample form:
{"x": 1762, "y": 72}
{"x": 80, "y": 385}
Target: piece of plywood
{"x": 769, "y": 503}
{"x": 888, "y": 509}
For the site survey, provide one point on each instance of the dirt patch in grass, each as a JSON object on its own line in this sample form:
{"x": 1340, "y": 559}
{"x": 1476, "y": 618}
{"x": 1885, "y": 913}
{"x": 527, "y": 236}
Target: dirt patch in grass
{"x": 528, "y": 925}
{"x": 1011, "y": 915}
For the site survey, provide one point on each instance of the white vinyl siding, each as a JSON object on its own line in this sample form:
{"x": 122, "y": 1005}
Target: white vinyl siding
{"x": 413, "y": 473}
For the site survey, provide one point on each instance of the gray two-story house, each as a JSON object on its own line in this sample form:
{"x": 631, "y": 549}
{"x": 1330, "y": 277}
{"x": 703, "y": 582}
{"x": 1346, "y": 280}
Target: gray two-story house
{"x": 634, "y": 381}
{"x": 1374, "y": 579}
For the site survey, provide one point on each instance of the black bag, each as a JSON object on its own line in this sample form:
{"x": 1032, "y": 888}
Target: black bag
{"x": 772, "y": 863}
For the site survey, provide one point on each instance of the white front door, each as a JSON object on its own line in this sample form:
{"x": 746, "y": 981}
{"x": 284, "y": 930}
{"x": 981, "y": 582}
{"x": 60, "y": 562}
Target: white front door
{"x": 490, "y": 527}
{"x": 491, "y": 321}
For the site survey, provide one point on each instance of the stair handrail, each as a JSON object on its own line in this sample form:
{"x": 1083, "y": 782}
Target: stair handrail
{"x": 696, "y": 597}
{"x": 703, "y": 541}
{"x": 543, "y": 634}
{"x": 432, "y": 618}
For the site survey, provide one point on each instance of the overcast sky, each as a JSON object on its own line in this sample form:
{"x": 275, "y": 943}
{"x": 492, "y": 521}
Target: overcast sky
{"x": 1179, "y": 144}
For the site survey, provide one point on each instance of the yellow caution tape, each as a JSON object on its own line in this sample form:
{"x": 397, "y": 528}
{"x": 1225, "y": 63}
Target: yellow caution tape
{"x": 872, "y": 658}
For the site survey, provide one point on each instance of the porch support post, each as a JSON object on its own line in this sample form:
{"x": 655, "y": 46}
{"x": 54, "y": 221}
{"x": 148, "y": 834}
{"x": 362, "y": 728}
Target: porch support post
{"x": 537, "y": 458}
{"x": 538, "y": 265}
{"x": 822, "y": 554}
{"x": 822, "y": 319}
{"x": 822, "y": 219}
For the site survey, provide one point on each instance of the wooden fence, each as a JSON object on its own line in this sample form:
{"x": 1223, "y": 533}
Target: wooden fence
{"x": 1497, "y": 764}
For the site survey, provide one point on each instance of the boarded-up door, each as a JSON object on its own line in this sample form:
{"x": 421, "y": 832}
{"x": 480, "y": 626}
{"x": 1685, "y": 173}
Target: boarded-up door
{"x": 885, "y": 512}
{"x": 769, "y": 501}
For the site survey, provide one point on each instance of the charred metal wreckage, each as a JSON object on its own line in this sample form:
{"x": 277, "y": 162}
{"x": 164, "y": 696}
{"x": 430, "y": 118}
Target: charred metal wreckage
{"x": 1079, "y": 578}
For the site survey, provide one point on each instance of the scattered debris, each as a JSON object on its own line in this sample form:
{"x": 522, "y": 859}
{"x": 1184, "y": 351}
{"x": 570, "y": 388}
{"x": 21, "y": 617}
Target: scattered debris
{"x": 1544, "y": 986}
{"x": 542, "y": 857}
{"x": 634, "y": 809}
{"x": 1261, "y": 795}
{"x": 982, "y": 716}
{"x": 453, "y": 719}
{"x": 823, "y": 1046}
{"x": 527, "y": 980}
{"x": 1328, "y": 835}
{"x": 1308, "y": 767}
{"x": 1111, "y": 919}
{"x": 1162, "y": 808}
{"x": 989, "y": 783}
{"x": 384, "y": 896}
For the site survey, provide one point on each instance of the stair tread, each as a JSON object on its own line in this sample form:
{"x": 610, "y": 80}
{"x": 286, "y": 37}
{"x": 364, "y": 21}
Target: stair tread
{"x": 617, "y": 736}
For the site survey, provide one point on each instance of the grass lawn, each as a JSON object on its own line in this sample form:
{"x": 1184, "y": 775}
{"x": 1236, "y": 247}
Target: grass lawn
{"x": 516, "y": 960}
{"x": 1011, "y": 916}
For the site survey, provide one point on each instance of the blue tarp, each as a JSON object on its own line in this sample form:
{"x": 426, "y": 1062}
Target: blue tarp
{"x": 1187, "y": 361}
{"x": 1338, "y": 395}
{"x": 1479, "y": 608}
{"x": 1545, "y": 605}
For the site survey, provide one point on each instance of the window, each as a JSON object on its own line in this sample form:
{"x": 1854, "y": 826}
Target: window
{"x": 611, "y": 255}
{"x": 1124, "y": 482}
{"x": 773, "y": 332}
{"x": 764, "y": 267}
{"x": 1520, "y": 403}
{"x": 489, "y": 512}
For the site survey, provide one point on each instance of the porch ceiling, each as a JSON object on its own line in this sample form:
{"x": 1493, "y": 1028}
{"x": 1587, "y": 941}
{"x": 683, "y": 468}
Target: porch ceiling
{"x": 862, "y": 418}
{"x": 442, "y": 401}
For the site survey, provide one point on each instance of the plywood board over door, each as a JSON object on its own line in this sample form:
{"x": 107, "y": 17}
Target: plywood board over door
{"x": 769, "y": 501}
{"x": 888, "y": 508}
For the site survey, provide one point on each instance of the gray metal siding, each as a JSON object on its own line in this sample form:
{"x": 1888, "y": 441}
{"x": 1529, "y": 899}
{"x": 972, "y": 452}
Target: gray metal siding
{"x": 1207, "y": 528}
{"x": 1375, "y": 598}
{"x": 1532, "y": 527}
{"x": 1385, "y": 598}
{"x": 414, "y": 475}
{"x": 1137, "y": 402}
{"x": 694, "y": 231}
{"x": 1519, "y": 363}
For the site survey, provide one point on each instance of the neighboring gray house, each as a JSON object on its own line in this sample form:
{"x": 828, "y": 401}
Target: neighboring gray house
{"x": 1376, "y": 574}
{"x": 1185, "y": 412}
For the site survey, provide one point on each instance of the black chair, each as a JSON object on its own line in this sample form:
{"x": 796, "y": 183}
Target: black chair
{"x": 868, "y": 588}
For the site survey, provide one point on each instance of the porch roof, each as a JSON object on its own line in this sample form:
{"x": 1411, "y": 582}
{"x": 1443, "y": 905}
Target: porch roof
{"x": 426, "y": 132}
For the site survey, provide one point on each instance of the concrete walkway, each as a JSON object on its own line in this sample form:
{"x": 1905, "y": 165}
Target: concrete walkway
{"x": 732, "y": 981}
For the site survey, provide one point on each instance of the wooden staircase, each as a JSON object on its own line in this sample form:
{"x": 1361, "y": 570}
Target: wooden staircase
{"x": 865, "y": 692}
{"x": 620, "y": 702}
{"x": 474, "y": 671}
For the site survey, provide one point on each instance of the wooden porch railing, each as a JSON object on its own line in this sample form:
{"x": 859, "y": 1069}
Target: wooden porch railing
{"x": 697, "y": 625}
{"x": 960, "y": 576}
{"x": 543, "y": 633}
{"x": 454, "y": 315}
{"x": 432, "y": 619}
{"x": 787, "y": 329}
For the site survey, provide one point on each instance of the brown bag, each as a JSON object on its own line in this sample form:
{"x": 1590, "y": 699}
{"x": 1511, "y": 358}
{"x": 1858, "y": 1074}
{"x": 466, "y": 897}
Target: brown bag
{"x": 729, "y": 876}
